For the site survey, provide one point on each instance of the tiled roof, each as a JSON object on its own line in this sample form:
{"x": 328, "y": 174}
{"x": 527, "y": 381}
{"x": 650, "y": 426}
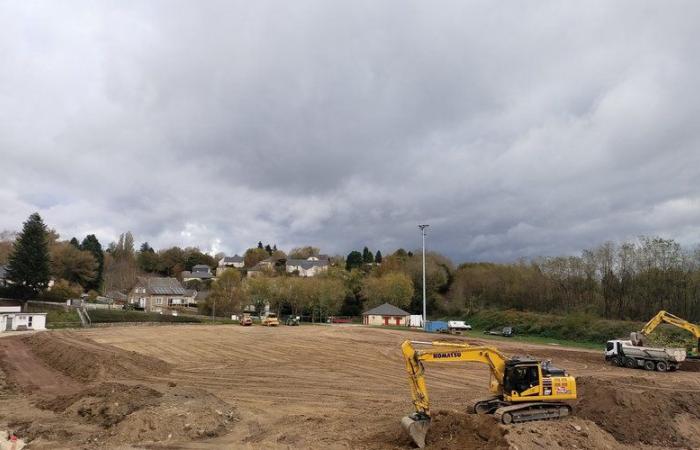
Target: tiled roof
{"x": 233, "y": 259}
{"x": 305, "y": 263}
{"x": 386, "y": 310}
{"x": 162, "y": 286}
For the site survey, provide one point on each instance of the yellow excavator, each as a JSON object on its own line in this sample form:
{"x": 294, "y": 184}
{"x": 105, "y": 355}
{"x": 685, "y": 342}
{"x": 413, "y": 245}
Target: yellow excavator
{"x": 523, "y": 389}
{"x": 637, "y": 338}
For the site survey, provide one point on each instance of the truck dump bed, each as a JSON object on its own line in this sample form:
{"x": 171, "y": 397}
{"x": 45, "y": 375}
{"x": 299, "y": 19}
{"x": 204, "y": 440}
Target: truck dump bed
{"x": 671, "y": 354}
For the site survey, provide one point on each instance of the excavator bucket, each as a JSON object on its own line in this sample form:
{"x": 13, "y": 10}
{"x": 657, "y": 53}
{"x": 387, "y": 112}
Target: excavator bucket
{"x": 417, "y": 429}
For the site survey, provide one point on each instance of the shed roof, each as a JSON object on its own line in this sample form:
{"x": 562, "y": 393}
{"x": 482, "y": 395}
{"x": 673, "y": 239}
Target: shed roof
{"x": 386, "y": 310}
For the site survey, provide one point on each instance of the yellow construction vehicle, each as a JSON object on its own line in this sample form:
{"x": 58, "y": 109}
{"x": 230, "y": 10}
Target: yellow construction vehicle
{"x": 523, "y": 389}
{"x": 663, "y": 316}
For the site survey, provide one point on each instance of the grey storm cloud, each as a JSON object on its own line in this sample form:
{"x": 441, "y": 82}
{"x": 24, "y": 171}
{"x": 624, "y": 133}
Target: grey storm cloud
{"x": 514, "y": 129}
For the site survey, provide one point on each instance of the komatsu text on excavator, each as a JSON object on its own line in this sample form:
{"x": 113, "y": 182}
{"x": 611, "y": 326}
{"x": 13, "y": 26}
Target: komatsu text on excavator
{"x": 523, "y": 389}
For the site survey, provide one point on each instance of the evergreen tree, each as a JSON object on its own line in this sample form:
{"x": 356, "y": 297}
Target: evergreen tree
{"x": 92, "y": 245}
{"x": 353, "y": 260}
{"x": 260, "y": 244}
{"x": 268, "y": 249}
{"x": 367, "y": 256}
{"x": 74, "y": 242}
{"x": 29, "y": 264}
{"x": 274, "y": 248}
{"x": 146, "y": 248}
{"x": 378, "y": 257}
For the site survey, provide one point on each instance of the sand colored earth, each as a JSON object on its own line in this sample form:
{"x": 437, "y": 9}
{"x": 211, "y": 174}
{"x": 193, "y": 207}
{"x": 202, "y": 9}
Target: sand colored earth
{"x": 320, "y": 387}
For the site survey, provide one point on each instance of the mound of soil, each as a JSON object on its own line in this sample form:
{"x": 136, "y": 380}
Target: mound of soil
{"x": 87, "y": 360}
{"x": 635, "y": 410}
{"x": 183, "y": 414}
{"x": 452, "y": 429}
{"x": 134, "y": 414}
{"x": 105, "y": 404}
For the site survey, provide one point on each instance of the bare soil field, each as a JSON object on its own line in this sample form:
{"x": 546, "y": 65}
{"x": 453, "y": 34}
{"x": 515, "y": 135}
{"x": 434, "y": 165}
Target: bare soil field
{"x": 319, "y": 387}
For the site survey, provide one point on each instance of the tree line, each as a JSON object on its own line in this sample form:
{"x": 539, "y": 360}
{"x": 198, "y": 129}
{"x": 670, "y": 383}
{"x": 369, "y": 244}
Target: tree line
{"x": 630, "y": 280}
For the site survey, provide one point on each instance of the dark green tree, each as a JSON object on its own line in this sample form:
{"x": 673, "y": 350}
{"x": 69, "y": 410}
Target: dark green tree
{"x": 145, "y": 247}
{"x": 74, "y": 242}
{"x": 367, "y": 256}
{"x": 92, "y": 245}
{"x": 260, "y": 244}
{"x": 353, "y": 260}
{"x": 378, "y": 257}
{"x": 268, "y": 249}
{"x": 29, "y": 264}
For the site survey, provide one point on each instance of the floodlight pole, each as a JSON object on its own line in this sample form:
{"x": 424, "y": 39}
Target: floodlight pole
{"x": 425, "y": 315}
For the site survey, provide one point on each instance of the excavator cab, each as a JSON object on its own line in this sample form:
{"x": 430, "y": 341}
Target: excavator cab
{"x": 521, "y": 378}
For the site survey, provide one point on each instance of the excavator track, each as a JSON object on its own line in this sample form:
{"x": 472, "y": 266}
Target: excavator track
{"x": 528, "y": 412}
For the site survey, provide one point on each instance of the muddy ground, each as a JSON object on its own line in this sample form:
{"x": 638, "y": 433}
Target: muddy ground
{"x": 323, "y": 387}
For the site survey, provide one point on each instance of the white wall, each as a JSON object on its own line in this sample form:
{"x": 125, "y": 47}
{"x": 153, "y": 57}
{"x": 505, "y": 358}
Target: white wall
{"x": 38, "y": 321}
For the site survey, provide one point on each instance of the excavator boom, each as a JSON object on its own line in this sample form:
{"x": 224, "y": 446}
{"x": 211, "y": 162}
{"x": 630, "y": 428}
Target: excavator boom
{"x": 667, "y": 317}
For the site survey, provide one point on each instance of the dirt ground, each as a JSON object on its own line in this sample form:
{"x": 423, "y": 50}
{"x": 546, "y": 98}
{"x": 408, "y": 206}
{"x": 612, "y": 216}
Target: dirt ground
{"x": 320, "y": 387}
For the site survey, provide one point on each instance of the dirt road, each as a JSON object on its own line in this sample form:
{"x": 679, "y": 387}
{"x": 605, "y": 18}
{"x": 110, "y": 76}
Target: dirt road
{"x": 339, "y": 387}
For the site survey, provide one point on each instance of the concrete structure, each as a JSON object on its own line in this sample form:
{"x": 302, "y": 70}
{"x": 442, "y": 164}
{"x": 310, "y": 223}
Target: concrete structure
{"x": 386, "y": 314}
{"x": 309, "y": 267}
{"x": 12, "y": 319}
{"x": 159, "y": 294}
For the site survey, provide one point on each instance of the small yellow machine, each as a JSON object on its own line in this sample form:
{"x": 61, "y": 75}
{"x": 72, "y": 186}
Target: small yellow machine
{"x": 270, "y": 320}
{"x": 667, "y": 317}
{"x": 524, "y": 389}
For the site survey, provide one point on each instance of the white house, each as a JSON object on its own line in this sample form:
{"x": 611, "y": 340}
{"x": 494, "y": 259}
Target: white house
{"x": 386, "y": 314}
{"x": 230, "y": 262}
{"x": 309, "y": 267}
{"x": 12, "y": 319}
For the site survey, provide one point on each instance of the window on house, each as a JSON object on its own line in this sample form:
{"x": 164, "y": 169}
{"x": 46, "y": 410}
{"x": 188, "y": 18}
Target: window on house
{"x": 159, "y": 301}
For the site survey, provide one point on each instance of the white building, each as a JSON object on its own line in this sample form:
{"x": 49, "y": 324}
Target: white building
{"x": 230, "y": 262}
{"x": 12, "y": 319}
{"x": 307, "y": 267}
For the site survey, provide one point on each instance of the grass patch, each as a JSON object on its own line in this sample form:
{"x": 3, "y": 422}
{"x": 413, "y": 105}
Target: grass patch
{"x": 576, "y": 329}
{"x": 60, "y": 318}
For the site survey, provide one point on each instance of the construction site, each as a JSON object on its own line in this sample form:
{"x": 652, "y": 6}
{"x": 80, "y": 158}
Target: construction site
{"x": 325, "y": 387}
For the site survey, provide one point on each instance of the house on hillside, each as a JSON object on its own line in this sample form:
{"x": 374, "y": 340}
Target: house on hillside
{"x": 308, "y": 267}
{"x": 155, "y": 294}
{"x": 230, "y": 262}
{"x": 199, "y": 272}
{"x": 118, "y": 298}
{"x": 386, "y": 314}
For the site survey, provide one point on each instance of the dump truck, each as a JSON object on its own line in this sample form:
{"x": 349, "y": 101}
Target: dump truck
{"x": 625, "y": 354}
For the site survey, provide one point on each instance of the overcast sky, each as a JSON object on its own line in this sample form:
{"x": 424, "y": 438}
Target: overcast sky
{"x": 512, "y": 128}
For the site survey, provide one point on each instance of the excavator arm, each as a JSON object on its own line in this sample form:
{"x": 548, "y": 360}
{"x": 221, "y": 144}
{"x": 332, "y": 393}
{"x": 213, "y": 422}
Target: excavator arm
{"x": 666, "y": 317}
{"x": 447, "y": 352}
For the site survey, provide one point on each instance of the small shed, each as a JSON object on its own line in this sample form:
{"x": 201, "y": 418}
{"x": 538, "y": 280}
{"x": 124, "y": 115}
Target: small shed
{"x": 12, "y": 319}
{"x": 386, "y": 314}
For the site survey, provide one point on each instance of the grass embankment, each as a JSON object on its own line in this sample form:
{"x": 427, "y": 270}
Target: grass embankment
{"x": 116, "y": 316}
{"x": 576, "y": 329}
